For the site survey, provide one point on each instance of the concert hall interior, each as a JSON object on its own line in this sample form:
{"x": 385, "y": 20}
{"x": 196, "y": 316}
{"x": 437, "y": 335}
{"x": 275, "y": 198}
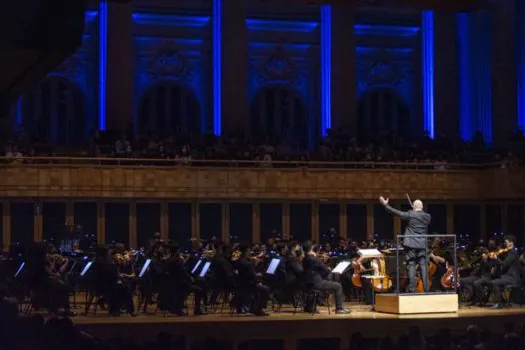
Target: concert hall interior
{"x": 262, "y": 174}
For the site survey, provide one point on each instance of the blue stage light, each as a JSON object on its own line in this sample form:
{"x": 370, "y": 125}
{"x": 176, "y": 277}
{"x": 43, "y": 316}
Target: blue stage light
{"x": 466, "y": 124}
{"x": 217, "y": 66}
{"x": 521, "y": 64}
{"x": 103, "y": 55}
{"x": 154, "y": 19}
{"x": 326, "y": 68}
{"x": 427, "y": 24}
{"x": 19, "y": 113}
{"x": 385, "y": 30}
{"x": 276, "y": 25}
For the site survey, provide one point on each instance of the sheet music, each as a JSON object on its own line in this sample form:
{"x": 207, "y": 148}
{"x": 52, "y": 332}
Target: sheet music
{"x": 369, "y": 253}
{"x": 20, "y": 269}
{"x": 205, "y": 269}
{"x": 144, "y": 268}
{"x": 273, "y": 266}
{"x": 341, "y": 267}
{"x": 196, "y": 267}
{"x": 86, "y": 268}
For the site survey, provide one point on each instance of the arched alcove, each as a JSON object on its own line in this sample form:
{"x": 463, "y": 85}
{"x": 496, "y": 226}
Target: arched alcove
{"x": 279, "y": 112}
{"x": 55, "y": 112}
{"x": 382, "y": 110}
{"x": 168, "y": 108}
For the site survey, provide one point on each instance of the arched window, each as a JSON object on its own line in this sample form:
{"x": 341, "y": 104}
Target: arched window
{"x": 383, "y": 110}
{"x": 279, "y": 112}
{"x": 55, "y": 112}
{"x": 169, "y": 109}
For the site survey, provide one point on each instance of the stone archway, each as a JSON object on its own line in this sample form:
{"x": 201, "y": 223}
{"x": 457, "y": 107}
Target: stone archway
{"x": 279, "y": 112}
{"x": 56, "y": 112}
{"x": 383, "y": 110}
{"x": 169, "y": 108}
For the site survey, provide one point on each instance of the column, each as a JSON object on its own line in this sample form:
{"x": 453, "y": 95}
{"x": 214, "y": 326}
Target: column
{"x": 483, "y": 222}
{"x": 522, "y": 218}
{"x": 286, "y": 218}
{"x": 133, "y": 239}
{"x": 164, "y": 221}
{"x": 427, "y": 48}
{"x": 196, "y": 220}
{"x": 446, "y": 103}
{"x": 233, "y": 85}
{"x": 520, "y": 38}
{"x": 6, "y": 224}
{"x": 101, "y": 222}
{"x": 343, "y": 63}
{"x": 37, "y": 226}
{"x": 370, "y": 221}
{"x": 119, "y": 65}
{"x": 315, "y": 221}
{"x": 450, "y": 219}
{"x": 256, "y": 223}
{"x": 397, "y": 226}
{"x": 504, "y": 68}
{"x": 343, "y": 219}
{"x": 225, "y": 229}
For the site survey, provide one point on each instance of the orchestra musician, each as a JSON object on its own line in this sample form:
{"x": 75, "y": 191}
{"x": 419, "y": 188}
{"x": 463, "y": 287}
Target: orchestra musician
{"x": 415, "y": 246}
{"x": 510, "y": 271}
{"x": 316, "y": 277}
{"x": 253, "y": 294}
{"x": 481, "y": 277}
{"x": 180, "y": 284}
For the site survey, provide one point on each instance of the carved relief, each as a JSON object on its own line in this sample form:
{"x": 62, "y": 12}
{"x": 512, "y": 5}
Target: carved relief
{"x": 380, "y": 70}
{"x": 277, "y": 69}
{"x": 168, "y": 63}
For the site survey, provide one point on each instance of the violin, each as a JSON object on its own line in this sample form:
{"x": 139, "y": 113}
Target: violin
{"x": 496, "y": 254}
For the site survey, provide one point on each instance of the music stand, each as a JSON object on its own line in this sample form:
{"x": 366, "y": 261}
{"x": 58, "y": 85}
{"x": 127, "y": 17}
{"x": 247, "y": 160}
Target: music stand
{"x": 86, "y": 268}
{"x": 273, "y": 266}
{"x": 205, "y": 269}
{"x": 341, "y": 267}
{"x": 196, "y": 267}
{"x": 144, "y": 268}
{"x": 20, "y": 269}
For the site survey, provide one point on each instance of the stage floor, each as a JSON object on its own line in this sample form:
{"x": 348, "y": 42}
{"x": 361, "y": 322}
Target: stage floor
{"x": 291, "y": 328}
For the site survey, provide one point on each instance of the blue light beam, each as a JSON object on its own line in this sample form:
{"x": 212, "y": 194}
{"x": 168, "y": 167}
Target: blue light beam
{"x": 326, "y": 68}
{"x": 217, "y": 66}
{"x": 103, "y": 62}
{"x": 427, "y": 24}
{"x": 466, "y": 124}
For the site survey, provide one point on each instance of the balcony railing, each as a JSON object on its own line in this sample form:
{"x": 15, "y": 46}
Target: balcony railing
{"x": 78, "y": 162}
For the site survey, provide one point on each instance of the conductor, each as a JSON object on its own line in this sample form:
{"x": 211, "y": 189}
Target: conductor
{"x": 415, "y": 243}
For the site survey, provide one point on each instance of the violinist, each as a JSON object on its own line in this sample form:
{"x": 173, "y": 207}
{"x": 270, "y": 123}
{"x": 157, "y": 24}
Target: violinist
{"x": 437, "y": 258}
{"x": 510, "y": 270}
{"x": 253, "y": 294}
{"x": 481, "y": 277}
{"x": 223, "y": 272}
{"x": 180, "y": 285}
{"x": 294, "y": 269}
{"x": 107, "y": 282}
{"x": 316, "y": 277}
{"x": 57, "y": 289}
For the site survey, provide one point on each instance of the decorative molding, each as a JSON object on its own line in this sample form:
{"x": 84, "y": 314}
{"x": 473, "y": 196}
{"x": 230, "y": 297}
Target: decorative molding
{"x": 168, "y": 63}
{"x": 386, "y": 30}
{"x": 276, "y": 25}
{"x": 169, "y": 20}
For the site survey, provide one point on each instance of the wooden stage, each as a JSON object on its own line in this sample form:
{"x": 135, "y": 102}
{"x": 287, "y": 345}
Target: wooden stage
{"x": 291, "y": 328}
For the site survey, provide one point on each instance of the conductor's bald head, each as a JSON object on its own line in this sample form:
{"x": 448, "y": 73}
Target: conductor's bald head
{"x": 417, "y": 205}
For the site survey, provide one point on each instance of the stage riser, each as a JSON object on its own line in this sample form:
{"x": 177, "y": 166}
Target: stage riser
{"x": 411, "y": 304}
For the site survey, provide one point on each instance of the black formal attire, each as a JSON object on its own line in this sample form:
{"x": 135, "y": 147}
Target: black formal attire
{"x": 223, "y": 277}
{"x": 474, "y": 284}
{"x": 250, "y": 288}
{"x": 315, "y": 274}
{"x": 415, "y": 246}
{"x": 107, "y": 283}
{"x": 180, "y": 285}
{"x": 510, "y": 275}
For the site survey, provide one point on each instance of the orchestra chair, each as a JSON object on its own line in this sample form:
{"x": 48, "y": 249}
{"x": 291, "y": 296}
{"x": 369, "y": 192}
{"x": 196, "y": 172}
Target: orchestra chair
{"x": 313, "y": 296}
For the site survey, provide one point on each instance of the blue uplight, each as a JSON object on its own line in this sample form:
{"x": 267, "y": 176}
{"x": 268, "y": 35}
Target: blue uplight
{"x": 520, "y": 38}
{"x": 466, "y": 124}
{"x": 277, "y": 25}
{"x": 154, "y": 19}
{"x": 103, "y": 56}
{"x": 19, "y": 113}
{"x": 385, "y": 30}
{"x": 427, "y": 24}
{"x": 326, "y": 68}
{"x": 217, "y": 66}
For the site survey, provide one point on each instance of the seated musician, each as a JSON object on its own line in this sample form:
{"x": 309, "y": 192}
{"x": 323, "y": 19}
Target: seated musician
{"x": 54, "y": 286}
{"x": 180, "y": 285}
{"x": 224, "y": 276}
{"x": 481, "y": 277}
{"x": 253, "y": 295}
{"x": 510, "y": 271}
{"x": 438, "y": 258}
{"x": 316, "y": 275}
{"x": 107, "y": 282}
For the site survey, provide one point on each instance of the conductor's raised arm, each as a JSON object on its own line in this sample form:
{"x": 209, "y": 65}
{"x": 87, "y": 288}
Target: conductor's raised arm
{"x": 405, "y": 215}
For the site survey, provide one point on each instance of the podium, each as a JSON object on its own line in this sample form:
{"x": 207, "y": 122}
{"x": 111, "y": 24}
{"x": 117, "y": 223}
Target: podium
{"x": 418, "y": 303}
{"x": 410, "y": 304}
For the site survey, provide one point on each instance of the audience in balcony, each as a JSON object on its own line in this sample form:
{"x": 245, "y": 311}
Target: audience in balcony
{"x": 337, "y": 146}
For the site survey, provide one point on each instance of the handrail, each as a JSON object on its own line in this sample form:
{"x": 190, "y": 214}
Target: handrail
{"x": 207, "y": 163}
